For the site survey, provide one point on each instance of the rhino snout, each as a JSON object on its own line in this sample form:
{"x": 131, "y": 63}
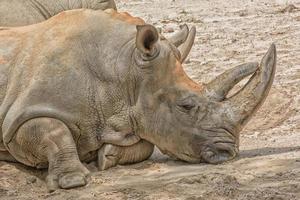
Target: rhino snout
{"x": 219, "y": 152}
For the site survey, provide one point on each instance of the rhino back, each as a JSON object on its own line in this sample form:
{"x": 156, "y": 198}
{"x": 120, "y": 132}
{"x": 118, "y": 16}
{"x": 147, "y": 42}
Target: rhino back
{"x": 19, "y": 13}
{"x": 25, "y": 12}
{"x": 66, "y": 68}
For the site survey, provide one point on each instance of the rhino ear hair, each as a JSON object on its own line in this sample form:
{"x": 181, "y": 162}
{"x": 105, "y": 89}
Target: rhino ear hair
{"x": 146, "y": 39}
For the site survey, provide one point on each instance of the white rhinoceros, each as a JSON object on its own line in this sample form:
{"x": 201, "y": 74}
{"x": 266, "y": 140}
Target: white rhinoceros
{"x": 25, "y": 12}
{"x": 88, "y": 85}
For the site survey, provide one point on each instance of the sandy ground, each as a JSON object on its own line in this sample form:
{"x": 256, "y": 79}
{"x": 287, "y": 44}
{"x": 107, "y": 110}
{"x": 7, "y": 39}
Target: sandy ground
{"x": 229, "y": 33}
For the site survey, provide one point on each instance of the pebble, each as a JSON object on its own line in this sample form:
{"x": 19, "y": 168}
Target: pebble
{"x": 289, "y": 8}
{"x": 12, "y": 193}
{"x": 169, "y": 30}
{"x": 31, "y": 179}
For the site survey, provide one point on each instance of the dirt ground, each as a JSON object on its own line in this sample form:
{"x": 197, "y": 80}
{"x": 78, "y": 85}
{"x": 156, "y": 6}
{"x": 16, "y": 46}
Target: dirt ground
{"x": 229, "y": 33}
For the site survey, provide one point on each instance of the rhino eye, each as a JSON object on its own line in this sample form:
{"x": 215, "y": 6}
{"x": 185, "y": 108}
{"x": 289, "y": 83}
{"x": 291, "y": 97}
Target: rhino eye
{"x": 186, "y": 106}
{"x": 187, "y": 103}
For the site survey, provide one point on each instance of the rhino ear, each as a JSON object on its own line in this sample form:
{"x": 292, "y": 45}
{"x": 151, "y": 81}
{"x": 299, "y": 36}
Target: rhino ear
{"x": 146, "y": 40}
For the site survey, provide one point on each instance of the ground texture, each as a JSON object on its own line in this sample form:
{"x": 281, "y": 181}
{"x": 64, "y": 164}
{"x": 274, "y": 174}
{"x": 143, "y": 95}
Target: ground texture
{"x": 229, "y": 33}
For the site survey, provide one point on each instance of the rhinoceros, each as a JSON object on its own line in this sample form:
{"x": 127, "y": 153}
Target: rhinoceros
{"x": 25, "y": 12}
{"x": 101, "y": 85}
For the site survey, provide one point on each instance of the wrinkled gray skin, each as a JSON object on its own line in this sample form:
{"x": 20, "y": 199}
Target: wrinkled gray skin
{"x": 25, "y": 12}
{"x": 88, "y": 85}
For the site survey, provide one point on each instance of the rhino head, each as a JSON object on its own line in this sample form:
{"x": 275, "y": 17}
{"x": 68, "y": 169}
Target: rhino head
{"x": 190, "y": 121}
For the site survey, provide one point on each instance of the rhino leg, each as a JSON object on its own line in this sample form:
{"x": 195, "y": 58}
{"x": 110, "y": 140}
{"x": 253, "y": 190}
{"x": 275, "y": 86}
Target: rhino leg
{"x": 46, "y": 141}
{"x": 5, "y": 156}
{"x": 111, "y": 155}
{"x": 119, "y": 138}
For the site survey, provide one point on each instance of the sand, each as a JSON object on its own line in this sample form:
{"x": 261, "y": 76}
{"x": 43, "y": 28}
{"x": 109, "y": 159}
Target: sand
{"x": 229, "y": 33}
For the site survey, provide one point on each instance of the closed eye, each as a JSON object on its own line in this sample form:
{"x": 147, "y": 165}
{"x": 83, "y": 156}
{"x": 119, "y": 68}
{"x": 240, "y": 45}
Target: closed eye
{"x": 187, "y": 107}
{"x": 186, "y": 104}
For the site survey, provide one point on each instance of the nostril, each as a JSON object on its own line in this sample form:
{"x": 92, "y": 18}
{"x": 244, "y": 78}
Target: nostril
{"x": 229, "y": 148}
{"x": 219, "y": 154}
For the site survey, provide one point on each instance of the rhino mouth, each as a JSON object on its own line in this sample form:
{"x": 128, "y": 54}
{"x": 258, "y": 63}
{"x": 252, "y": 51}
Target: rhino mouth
{"x": 219, "y": 152}
{"x": 214, "y": 145}
{"x": 187, "y": 157}
{"x": 219, "y": 147}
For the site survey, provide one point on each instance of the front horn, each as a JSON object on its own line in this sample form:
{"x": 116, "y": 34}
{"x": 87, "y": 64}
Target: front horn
{"x": 218, "y": 88}
{"x": 247, "y": 101}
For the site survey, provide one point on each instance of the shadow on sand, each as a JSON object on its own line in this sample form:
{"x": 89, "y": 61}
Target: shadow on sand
{"x": 266, "y": 151}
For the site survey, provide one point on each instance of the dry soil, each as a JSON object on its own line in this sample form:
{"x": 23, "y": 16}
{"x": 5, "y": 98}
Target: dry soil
{"x": 229, "y": 33}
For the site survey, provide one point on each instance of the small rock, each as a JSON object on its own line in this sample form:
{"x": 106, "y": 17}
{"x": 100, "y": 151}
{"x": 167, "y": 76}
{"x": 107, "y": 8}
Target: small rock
{"x": 183, "y": 12}
{"x": 12, "y": 193}
{"x": 233, "y": 40}
{"x": 31, "y": 179}
{"x": 164, "y": 21}
{"x": 187, "y": 61}
{"x": 192, "y": 19}
{"x": 289, "y": 8}
{"x": 169, "y": 30}
{"x": 195, "y": 198}
{"x": 243, "y": 13}
{"x": 279, "y": 174}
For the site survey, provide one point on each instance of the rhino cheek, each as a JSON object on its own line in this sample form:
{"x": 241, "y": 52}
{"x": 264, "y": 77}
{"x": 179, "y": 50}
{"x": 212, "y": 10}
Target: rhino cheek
{"x": 170, "y": 140}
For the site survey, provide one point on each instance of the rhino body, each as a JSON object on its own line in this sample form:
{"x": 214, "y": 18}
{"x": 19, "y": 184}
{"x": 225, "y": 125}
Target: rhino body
{"x": 88, "y": 85}
{"x": 25, "y": 12}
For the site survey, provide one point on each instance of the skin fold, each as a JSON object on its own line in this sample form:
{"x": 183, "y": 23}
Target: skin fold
{"x": 101, "y": 85}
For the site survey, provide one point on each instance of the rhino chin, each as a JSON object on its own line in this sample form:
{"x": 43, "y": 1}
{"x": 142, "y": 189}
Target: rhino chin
{"x": 181, "y": 156}
{"x": 189, "y": 158}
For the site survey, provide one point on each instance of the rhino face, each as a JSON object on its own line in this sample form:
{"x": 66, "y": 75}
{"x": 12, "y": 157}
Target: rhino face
{"x": 189, "y": 121}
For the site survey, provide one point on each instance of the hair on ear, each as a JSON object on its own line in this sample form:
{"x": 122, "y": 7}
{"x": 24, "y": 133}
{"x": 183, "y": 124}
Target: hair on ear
{"x": 147, "y": 37}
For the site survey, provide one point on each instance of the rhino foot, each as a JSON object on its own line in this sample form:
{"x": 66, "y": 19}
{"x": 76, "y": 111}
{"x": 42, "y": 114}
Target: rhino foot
{"x": 48, "y": 140}
{"x": 111, "y": 155}
{"x": 74, "y": 178}
{"x": 108, "y": 156}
